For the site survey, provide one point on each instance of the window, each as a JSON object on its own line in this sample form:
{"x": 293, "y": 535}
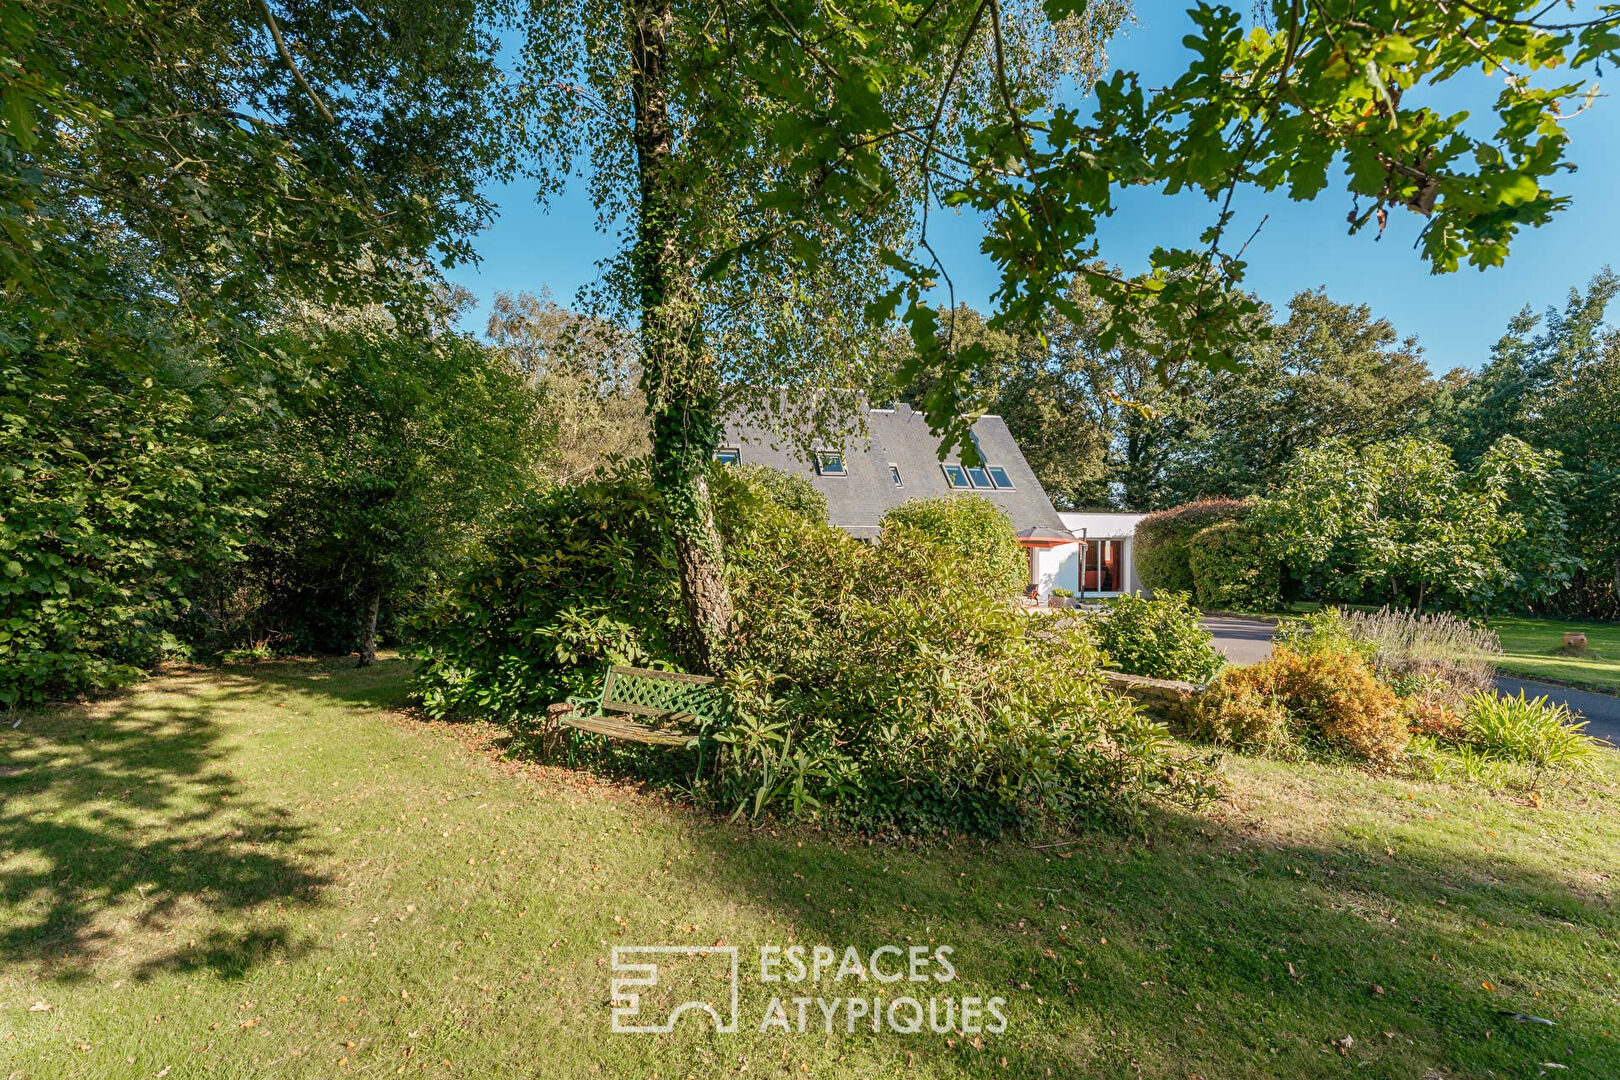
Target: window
{"x": 830, "y": 463}
{"x": 955, "y": 475}
{"x": 999, "y": 475}
{"x": 728, "y": 455}
{"x": 1103, "y": 562}
{"x": 979, "y": 478}
{"x": 894, "y": 474}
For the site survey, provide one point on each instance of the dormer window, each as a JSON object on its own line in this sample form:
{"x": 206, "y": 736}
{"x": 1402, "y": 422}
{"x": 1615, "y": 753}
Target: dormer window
{"x": 830, "y": 463}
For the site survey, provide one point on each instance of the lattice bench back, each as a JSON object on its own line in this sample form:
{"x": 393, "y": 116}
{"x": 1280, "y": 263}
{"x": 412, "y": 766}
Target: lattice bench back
{"x": 670, "y": 696}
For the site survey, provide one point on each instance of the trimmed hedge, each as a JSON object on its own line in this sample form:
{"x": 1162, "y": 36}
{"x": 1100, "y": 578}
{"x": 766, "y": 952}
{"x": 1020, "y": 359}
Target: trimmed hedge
{"x": 1233, "y": 569}
{"x": 1164, "y": 541}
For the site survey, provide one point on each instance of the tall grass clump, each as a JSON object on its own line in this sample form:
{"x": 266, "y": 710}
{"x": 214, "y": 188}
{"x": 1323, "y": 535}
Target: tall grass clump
{"x": 1533, "y": 732}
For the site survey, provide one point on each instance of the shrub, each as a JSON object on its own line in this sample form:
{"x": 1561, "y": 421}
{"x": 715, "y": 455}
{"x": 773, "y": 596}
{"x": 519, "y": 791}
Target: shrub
{"x": 1163, "y": 549}
{"x": 1339, "y": 703}
{"x": 1240, "y": 708}
{"x": 574, "y": 579}
{"x": 882, "y": 687}
{"x": 1421, "y": 651}
{"x": 1533, "y": 732}
{"x": 970, "y": 529}
{"x": 1159, "y": 638}
{"x": 1331, "y": 699}
{"x": 117, "y": 496}
{"x": 1439, "y": 658}
{"x": 1232, "y": 568}
{"x": 787, "y": 490}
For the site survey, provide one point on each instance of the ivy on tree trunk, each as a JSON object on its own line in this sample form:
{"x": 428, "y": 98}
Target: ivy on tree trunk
{"x": 681, "y": 386}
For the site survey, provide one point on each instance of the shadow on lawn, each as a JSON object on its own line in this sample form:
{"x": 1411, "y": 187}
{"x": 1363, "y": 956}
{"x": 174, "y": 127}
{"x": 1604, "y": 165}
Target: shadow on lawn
{"x": 126, "y": 813}
{"x": 1215, "y": 952}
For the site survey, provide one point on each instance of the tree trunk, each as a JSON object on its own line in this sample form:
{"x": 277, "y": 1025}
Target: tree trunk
{"x": 679, "y": 381}
{"x": 368, "y": 628}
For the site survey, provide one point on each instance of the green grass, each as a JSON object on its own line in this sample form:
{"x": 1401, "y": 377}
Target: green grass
{"x": 1531, "y": 649}
{"x": 267, "y": 873}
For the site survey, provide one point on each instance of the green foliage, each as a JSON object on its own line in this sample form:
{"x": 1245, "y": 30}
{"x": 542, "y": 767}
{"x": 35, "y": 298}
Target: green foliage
{"x": 969, "y": 529}
{"x": 382, "y": 471}
{"x": 1160, "y": 638}
{"x": 1329, "y": 371}
{"x": 1331, "y": 699}
{"x": 1307, "y": 95}
{"x": 1400, "y": 521}
{"x": 1554, "y": 381}
{"x": 573, "y": 579}
{"x": 881, "y": 686}
{"x": 1233, "y": 568}
{"x": 787, "y": 490}
{"x": 1534, "y": 732}
{"x": 1164, "y": 541}
{"x": 116, "y": 499}
{"x": 1325, "y": 630}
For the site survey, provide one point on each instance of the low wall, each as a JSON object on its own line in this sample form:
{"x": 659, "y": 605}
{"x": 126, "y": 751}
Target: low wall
{"x": 1169, "y": 698}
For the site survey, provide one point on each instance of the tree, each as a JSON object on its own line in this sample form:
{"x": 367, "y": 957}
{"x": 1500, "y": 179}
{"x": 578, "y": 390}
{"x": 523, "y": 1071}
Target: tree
{"x": 1554, "y": 381}
{"x": 170, "y": 175}
{"x": 1400, "y": 522}
{"x": 692, "y": 126}
{"x": 1330, "y": 371}
{"x": 1042, "y": 394}
{"x": 772, "y": 166}
{"x": 586, "y": 369}
{"x": 1530, "y": 370}
{"x": 1315, "y": 91}
{"x": 389, "y": 466}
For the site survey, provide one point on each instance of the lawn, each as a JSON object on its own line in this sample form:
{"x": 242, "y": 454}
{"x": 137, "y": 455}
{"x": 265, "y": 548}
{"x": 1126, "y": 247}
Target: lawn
{"x": 1530, "y": 648}
{"x": 269, "y": 872}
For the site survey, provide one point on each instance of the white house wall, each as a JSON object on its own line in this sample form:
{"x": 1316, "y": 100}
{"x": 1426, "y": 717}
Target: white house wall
{"x": 1095, "y": 526}
{"x": 1047, "y": 567}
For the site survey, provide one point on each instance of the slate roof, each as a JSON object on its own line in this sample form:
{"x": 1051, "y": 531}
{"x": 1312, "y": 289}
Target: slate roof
{"x": 900, "y": 436}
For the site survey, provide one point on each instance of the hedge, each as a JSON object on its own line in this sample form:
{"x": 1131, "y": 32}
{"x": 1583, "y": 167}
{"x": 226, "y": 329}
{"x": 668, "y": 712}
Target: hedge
{"x": 1164, "y": 539}
{"x": 1233, "y": 569}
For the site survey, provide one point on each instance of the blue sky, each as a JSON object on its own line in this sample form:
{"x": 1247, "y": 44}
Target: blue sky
{"x": 1456, "y": 317}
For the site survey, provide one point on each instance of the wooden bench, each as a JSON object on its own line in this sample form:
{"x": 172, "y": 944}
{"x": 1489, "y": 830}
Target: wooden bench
{"x": 640, "y": 705}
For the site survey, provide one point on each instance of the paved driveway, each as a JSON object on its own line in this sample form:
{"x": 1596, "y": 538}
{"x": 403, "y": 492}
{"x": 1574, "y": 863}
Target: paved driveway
{"x": 1241, "y": 641}
{"x": 1248, "y": 641}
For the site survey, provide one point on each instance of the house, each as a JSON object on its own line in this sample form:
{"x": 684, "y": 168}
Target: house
{"x": 1102, "y": 559}
{"x": 897, "y": 461}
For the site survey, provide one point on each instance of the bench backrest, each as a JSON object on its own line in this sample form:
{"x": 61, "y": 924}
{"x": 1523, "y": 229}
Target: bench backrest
{"x": 667, "y": 695}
